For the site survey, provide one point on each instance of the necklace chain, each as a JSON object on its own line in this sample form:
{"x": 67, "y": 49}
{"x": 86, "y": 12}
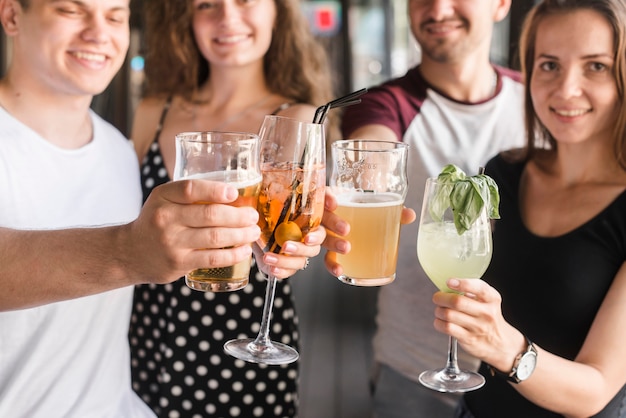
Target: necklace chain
{"x": 231, "y": 118}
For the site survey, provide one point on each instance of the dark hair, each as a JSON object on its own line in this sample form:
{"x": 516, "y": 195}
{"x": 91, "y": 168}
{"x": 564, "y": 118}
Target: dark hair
{"x": 614, "y": 11}
{"x": 295, "y": 65}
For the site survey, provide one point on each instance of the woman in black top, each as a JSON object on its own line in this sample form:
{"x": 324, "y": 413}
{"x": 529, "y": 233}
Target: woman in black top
{"x": 548, "y": 319}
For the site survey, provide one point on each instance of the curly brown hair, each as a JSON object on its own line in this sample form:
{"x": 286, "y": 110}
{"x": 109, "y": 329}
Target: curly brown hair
{"x": 614, "y": 11}
{"x": 296, "y": 65}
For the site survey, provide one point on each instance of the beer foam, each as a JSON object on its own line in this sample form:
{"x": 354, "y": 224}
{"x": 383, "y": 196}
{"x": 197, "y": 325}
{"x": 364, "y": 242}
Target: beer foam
{"x": 238, "y": 179}
{"x": 369, "y": 199}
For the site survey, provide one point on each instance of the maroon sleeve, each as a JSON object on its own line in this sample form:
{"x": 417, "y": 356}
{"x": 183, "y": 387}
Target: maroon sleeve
{"x": 377, "y": 107}
{"x": 510, "y": 73}
{"x": 393, "y": 104}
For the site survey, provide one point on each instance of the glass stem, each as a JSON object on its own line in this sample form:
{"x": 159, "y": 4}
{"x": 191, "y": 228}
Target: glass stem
{"x": 452, "y": 368}
{"x": 263, "y": 338}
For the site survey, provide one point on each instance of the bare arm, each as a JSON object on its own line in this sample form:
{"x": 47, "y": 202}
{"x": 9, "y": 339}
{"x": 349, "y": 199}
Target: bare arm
{"x": 171, "y": 237}
{"x": 374, "y": 131}
{"x": 579, "y": 388}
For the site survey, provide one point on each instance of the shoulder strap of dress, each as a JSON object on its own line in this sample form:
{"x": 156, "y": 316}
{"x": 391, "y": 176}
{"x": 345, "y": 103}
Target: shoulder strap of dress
{"x": 283, "y": 107}
{"x": 159, "y": 128}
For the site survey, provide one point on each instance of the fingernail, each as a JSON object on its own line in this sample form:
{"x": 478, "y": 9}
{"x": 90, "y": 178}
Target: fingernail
{"x": 343, "y": 226}
{"x": 453, "y": 283}
{"x": 270, "y": 259}
{"x": 231, "y": 193}
{"x": 342, "y": 246}
{"x": 289, "y": 247}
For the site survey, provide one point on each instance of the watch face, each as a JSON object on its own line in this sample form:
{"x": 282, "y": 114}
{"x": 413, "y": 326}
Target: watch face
{"x": 526, "y": 366}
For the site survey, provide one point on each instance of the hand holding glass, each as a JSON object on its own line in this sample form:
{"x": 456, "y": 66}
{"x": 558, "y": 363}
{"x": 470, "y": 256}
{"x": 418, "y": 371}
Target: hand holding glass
{"x": 369, "y": 181}
{"x": 291, "y": 203}
{"x": 445, "y": 254}
{"x": 226, "y": 157}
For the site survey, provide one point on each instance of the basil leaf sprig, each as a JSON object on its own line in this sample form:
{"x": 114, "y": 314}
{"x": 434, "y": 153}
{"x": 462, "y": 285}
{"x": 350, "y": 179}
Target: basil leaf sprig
{"x": 466, "y": 196}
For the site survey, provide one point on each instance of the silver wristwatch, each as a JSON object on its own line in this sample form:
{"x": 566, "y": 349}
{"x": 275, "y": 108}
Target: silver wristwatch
{"x": 524, "y": 364}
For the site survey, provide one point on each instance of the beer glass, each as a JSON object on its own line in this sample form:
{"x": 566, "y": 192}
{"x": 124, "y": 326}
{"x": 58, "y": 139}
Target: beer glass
{"x": 229, "y": 157}
{"x": 369, "y": 181}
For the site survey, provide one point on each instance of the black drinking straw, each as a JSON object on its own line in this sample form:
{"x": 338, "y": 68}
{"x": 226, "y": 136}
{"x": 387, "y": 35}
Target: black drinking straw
{"x": 347, "y": 100}
{"x": 320, "y": 116}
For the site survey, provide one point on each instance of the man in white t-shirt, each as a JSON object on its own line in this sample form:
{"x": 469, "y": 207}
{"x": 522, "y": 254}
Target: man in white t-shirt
{"x": 73, "y": 236}
{"x": 455, "y": 107}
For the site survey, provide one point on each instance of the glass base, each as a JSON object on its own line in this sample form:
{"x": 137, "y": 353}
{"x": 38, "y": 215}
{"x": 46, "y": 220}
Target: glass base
{"x": 443, "y": 380}
{"x": 272, "y": 353}
{"x": 355, "y": 281}
{"x": 216, "y": 286}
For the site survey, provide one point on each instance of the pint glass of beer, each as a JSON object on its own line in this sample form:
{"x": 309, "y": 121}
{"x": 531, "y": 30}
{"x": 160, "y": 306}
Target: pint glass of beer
{"x": 369, "y": 180}
{"x": 229, "y": 157}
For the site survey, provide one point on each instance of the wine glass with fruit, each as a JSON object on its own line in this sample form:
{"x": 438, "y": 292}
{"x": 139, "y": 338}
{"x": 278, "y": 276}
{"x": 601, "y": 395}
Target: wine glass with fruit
{"x": 291, "y": 203}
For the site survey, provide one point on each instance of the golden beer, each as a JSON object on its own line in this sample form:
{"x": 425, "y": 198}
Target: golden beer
{"x": 374, "y": 237}
{"x": 226, "y": 279}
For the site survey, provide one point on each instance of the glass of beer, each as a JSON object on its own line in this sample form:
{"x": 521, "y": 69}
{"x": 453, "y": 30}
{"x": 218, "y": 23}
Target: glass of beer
{"x": 369, "y": 181}
{"x": 229, "y": 157}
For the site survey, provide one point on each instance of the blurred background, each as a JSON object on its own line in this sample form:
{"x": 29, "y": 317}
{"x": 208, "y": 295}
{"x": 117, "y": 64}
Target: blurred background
{"x": 368, "y": 41}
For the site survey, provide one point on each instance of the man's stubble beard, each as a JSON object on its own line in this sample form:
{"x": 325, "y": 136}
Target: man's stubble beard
{"x": 443, "y": 52}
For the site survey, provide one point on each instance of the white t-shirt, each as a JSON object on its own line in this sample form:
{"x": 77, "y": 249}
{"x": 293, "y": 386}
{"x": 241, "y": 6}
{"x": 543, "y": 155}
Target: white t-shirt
{"x": 67, "y": 359}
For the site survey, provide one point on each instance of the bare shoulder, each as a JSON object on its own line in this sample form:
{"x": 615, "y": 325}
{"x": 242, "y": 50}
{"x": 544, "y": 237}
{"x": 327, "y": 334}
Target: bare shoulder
{"x": 145, "y": 123}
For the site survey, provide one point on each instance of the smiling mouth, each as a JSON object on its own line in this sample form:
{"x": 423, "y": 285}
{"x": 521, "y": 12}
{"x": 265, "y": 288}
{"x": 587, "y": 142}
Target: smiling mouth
{"x": 571, "y": 113}
{"x": 90, "y": 56}
{"x": 440, "y": 29}
{"x": 231, "y": 39}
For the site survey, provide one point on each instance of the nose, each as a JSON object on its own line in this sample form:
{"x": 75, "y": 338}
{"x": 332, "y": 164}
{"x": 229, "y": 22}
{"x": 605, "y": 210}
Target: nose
{"x": 96, "y": 28}
{"x": 440, "y": 9}
{"x": 569, "y": 83}
{"x": 229, "y": 11}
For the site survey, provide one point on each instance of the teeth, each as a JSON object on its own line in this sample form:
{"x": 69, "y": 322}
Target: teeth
{"x": 571, "y": 113}
{"x": 231, "y": 39}
{"x": 90, "y": 56}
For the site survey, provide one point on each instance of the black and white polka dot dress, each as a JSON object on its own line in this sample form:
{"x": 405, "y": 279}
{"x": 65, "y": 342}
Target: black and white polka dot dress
{"x": 176, "y": 335}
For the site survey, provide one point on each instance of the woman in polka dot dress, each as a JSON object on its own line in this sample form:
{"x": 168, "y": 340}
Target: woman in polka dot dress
{"x": 239, "y": 61}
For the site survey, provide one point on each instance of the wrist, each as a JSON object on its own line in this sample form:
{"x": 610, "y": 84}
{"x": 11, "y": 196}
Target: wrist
{"x": 507, "y": 354}
{"x": 122, "y": 261}
{"x": 522, "y": 366}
